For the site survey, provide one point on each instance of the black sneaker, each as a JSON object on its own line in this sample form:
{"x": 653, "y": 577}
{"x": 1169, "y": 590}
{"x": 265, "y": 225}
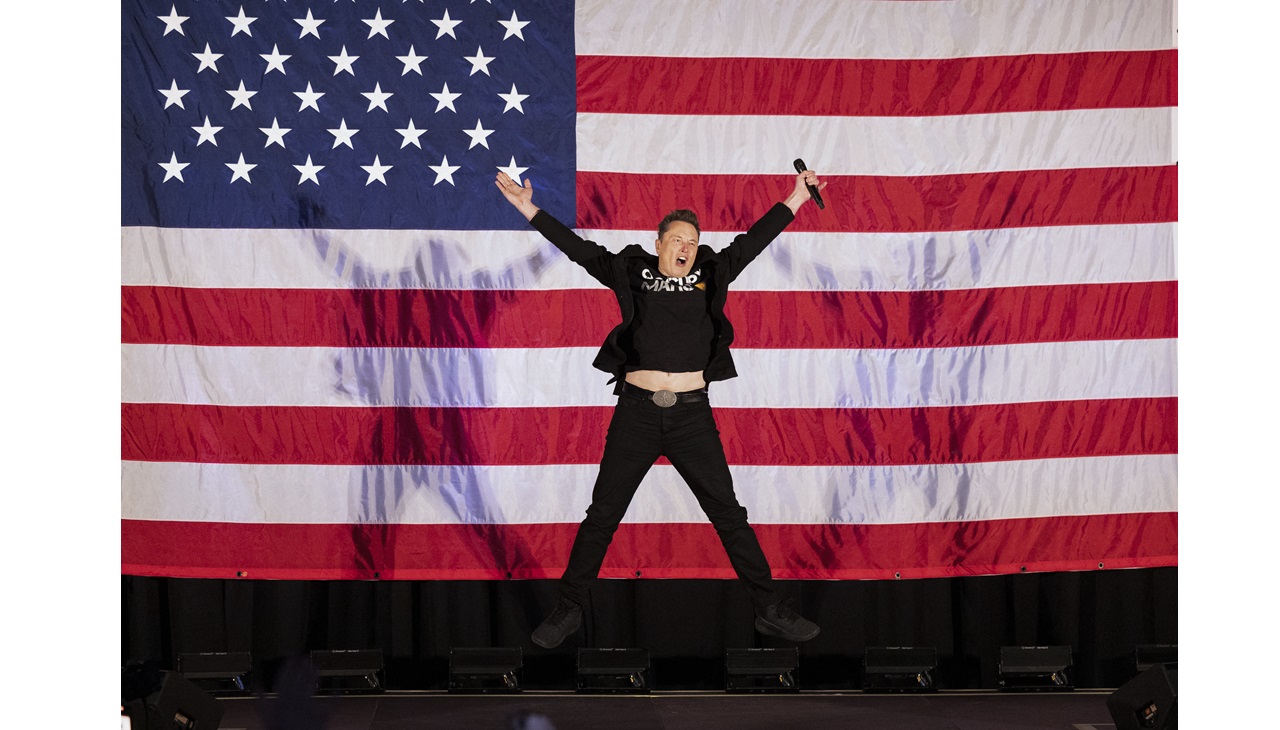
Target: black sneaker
{"x": 565, "y": 619}
{"x": 780, "y": 620}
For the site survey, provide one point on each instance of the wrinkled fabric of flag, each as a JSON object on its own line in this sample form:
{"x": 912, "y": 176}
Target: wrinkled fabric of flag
{"x": 346, "y": 356}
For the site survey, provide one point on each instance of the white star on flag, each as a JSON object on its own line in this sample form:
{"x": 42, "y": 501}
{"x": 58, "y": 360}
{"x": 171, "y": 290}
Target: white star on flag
{"x": 173, "y": 22}
{"x": 513, "y": 171}
{"x": 444, "y": 171}
{"x": 376, "y": 171}
{"x": 310, "y": 26}
{"x": 342, "y": 135}
{"x": 309, "y": 98}
{"x": 445, "y": 98}
{"x": 241, "y": 169}
{"x": 308, "y": 172}
{"x": 411, "y": 62}
{"x": 207, "y": 133}
{"x": 275, "y": 60}
{"x": 208, "y": 59}
{"x": 377, "y": 97}
{"x": 513, "y": 100}
{"x": 478, "y": 136}
{"x": 241, "y": 96}
{"x": 173, "y": 95}
{"x": 479, "y": 62}
{"x": 446, "y": 25}
{"x": 173, "y": 168}
{"x": 410, "y": 135}
{"x": 343, "y": 62}
{"x": 241, "y": 23}
{"x": 275, "y": 133}
{"x": 378, "y": 26}
{"x": 513, "y": 26}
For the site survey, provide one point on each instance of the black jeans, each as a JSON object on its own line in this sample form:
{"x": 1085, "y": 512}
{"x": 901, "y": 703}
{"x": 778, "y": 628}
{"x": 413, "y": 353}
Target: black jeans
{"x": 686, "y": 434}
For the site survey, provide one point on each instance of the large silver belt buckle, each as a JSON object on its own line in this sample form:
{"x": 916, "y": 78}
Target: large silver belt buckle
{"x": 664, "y": 398}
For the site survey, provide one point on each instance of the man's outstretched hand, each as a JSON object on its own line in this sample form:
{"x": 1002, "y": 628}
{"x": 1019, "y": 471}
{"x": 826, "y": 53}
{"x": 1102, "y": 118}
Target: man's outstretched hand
{"x": 798, "y": 196}
{"x": 520, "y": 197}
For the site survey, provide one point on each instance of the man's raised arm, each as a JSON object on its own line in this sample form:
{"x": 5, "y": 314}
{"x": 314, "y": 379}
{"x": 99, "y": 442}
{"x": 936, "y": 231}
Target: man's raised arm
{"x": 596, "y": 259}
{"x": 798, "y": 196}
{"x": 520, "y": 197}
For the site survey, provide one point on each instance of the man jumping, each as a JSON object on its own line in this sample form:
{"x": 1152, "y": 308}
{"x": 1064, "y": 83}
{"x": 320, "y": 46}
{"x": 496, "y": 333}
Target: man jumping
{"x": 673, "y": 339}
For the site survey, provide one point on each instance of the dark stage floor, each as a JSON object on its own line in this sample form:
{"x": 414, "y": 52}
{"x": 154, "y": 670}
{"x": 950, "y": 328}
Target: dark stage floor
{"x": 947, "y": 710}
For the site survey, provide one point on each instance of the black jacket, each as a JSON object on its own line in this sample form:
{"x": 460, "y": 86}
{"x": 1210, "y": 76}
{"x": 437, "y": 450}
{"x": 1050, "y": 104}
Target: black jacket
{"x": 719, "y": 268}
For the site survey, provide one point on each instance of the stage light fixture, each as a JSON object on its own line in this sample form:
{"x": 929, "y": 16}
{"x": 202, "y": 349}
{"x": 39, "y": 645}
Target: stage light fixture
{"x": 761, "y": 670}
{"x": 1036, "y": 668}
{"x": 347, "y": 670}
{"x": 487, "y": 670}
{"x": 217, "y": 672}
{"x": 900, "y": 669}
{"x": 1146, "y": 656}
{"x": 614, "y": 671}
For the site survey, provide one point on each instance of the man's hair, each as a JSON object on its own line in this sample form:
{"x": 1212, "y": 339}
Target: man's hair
{"x": 683, "y": 215}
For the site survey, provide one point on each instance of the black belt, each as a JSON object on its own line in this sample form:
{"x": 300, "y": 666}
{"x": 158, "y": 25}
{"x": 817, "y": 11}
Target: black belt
{"x": 664, "y": 398}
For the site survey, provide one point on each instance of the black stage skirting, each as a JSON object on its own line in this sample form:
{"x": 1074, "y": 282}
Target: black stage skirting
{"x": 942, "y": 711}
{"x": 686, "y": 625}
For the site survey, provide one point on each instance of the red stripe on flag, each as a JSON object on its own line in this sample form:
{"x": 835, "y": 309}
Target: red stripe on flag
{"x": 367, "y": 317}
{"x": 763, "y": 436}
{"x": 1085, "y": 196}
{"x": 582, "y": 317}
{"x": 954, "y": 318}
{"x": 877, "y": 87}
{"x": 539, "y": 551}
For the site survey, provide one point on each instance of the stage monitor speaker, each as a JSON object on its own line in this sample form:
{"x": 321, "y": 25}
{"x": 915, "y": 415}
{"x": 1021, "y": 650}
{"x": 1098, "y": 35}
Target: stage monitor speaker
{"x": 347, "y": 670}
{"x": 175, "y": 704}
{"x": 485, "y": 670}
{"x": 217, "y": 672}
{"x": 615, "y": 671}
{"x": 1036, "y": 668}
{"x": 1149, "y": 700}
{"x": 761, "y": 670}
{"x": 900, "y": 669}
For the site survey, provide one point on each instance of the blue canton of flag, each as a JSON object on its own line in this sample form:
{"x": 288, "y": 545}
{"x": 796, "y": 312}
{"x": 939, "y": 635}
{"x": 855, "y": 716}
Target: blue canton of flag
{"x": 344, "y": 114}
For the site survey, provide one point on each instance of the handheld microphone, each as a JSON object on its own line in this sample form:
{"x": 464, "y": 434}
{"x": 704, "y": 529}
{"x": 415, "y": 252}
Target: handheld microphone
{"x": 813, "y": 190}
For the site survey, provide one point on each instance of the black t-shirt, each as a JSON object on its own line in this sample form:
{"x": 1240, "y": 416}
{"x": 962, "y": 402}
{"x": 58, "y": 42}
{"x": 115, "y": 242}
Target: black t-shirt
{"x": 672, "y": 329}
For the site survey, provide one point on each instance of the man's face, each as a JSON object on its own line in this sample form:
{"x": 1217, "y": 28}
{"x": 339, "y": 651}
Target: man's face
{"x": 677, "y": 248}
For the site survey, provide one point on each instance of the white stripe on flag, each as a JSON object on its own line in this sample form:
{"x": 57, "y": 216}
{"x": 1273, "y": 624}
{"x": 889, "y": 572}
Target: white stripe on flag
{"x": 826, "y": 28}
{"x": 796, "y": 378}
{"x": 943, "y": 145}
{"x": 387, "y": 259}
{"x": 296, "y": 493}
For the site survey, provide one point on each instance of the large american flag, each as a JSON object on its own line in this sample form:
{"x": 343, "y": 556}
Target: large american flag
{"x": 346, "y": 356}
